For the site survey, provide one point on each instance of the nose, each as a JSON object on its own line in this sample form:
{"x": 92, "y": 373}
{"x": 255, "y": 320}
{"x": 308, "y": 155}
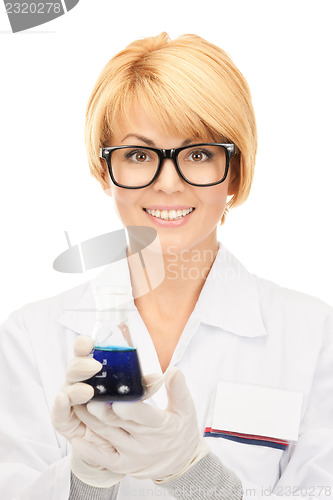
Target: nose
{"x": 169, "y": 180}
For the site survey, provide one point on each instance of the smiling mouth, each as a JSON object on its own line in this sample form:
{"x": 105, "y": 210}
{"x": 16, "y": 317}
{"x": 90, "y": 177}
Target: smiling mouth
{"x": 169, "y": 214}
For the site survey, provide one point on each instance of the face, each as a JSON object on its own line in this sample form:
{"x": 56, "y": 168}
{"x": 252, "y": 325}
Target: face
{"x": 197, "y": 230}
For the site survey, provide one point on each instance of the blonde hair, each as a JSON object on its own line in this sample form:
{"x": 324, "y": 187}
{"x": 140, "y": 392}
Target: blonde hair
{"x": 187, "y": 85}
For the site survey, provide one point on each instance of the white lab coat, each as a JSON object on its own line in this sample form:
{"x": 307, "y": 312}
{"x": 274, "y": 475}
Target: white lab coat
{"x": 244, "y": 330}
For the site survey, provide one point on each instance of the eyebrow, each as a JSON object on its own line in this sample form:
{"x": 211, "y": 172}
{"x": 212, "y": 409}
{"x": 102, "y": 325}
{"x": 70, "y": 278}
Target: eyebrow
{"x": 151, "y": 143}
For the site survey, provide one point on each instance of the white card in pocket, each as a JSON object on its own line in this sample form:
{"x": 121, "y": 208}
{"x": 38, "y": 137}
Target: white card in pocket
{"x": 255, "y": 412}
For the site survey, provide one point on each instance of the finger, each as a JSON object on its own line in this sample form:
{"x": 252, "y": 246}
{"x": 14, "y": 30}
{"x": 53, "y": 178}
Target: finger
{"x": 97, "y": 439}
{"x": 85, "y": 417}
{"x": 61, "y": 410}
{"x": 102, "y": 411}
{"x": 83, "y": 345}
{"x": 79, "y": 393}
{"x": 126, "y": 414}
{"x": 105, "y": 457}
{"x": 82, "y": 368}
{"x": 93, "y": 421}
{"x": 97, "y": 456}
{"x": 140, "y": 413}
{"x": 64, "y": 419}
{"x": 152, "y": 383}
{"x": 94, "y": 476}
{"x": 179, "y": 397}
{"x": 113, "y": 431}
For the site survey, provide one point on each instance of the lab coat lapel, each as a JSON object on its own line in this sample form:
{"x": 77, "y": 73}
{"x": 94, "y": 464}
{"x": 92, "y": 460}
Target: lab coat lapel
{"x": 230, "y": 298}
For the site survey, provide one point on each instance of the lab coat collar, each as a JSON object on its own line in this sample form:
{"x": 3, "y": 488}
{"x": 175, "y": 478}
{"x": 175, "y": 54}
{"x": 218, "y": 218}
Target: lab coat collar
{"x": 229, "y": 299}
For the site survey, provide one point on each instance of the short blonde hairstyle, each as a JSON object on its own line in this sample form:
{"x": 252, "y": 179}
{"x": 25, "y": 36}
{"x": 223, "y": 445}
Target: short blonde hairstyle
{"x": 186, "y": 85}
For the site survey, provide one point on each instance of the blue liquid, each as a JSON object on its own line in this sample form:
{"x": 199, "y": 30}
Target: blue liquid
{"x": 120, "y": 378}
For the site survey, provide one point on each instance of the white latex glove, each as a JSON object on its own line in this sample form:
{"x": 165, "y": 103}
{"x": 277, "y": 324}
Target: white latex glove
{"x": 148, "y": 443}
{"x": 70, "y": 426}
{"x": 88, "y": 468}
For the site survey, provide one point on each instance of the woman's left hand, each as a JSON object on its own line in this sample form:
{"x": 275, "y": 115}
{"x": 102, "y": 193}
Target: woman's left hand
{"x": 149, "y": 443}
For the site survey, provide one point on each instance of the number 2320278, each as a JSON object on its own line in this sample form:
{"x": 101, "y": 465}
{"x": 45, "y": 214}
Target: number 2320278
{"x": 33, "y": 8}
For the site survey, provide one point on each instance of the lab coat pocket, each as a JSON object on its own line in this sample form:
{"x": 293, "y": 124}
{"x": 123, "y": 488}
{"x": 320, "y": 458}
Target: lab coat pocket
{"x": 254, "y": 414}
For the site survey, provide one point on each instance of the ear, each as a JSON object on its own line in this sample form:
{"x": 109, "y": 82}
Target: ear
{"x": 107, "y": 190}
{"x": 106, "y": 185}
{"x": 233, "y": 174}
{"x": 105, "y": 180}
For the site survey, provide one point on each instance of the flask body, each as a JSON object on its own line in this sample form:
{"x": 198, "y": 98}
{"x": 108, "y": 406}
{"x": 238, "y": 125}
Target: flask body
{"x": 120, "y": 378}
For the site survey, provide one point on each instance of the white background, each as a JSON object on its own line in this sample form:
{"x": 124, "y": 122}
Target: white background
{"x": 284, "y": 49}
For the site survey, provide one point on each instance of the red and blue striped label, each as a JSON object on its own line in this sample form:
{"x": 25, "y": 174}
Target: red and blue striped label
{"x": 247, "y": 438}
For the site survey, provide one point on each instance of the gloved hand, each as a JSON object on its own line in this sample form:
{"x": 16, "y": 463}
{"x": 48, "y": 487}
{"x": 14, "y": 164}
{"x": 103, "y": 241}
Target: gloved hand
{"x": 69, "y": 425}
{"x": 147, "y": 442}
{"x": 88, "y": 468}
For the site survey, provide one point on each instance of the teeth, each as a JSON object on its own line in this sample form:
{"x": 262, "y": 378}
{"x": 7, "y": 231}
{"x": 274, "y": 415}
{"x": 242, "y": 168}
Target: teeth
{"x": 169, "y": 215}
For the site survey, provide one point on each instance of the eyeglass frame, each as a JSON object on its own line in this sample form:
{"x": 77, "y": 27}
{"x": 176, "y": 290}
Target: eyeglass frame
{"x": 166, "y": 154}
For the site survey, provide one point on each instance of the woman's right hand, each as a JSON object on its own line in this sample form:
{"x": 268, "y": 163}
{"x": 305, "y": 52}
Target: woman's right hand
{"x": 67, "y": 423}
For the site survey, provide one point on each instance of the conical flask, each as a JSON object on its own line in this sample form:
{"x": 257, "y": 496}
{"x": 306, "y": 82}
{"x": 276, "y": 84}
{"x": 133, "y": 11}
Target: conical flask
{"x": 120, "y": 378}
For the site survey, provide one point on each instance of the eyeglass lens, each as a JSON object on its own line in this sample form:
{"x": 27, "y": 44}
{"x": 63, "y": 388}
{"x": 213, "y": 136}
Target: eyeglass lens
{"x": 136, "y": 166}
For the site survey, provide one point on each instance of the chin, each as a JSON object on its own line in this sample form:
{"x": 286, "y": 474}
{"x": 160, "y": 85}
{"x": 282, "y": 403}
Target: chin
{"x": 173, "y": 246}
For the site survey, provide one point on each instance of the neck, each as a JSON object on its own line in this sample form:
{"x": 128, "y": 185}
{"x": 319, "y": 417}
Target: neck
{"x": 188, "y": 267}
{"x": 185, "y": 274}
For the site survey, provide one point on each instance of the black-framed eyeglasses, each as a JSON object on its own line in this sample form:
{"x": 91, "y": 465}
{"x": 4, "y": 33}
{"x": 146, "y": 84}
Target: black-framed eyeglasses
{"x": 136, "y": 167}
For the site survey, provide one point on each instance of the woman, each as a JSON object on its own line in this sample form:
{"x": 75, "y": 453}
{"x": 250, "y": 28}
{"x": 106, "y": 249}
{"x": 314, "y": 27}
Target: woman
{"x": 246, "y": 365}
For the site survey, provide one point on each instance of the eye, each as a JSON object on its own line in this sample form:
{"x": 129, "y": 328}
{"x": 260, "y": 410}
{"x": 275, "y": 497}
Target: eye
{"x": 138, "y": 156}
{"x": 198, "y": 155}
